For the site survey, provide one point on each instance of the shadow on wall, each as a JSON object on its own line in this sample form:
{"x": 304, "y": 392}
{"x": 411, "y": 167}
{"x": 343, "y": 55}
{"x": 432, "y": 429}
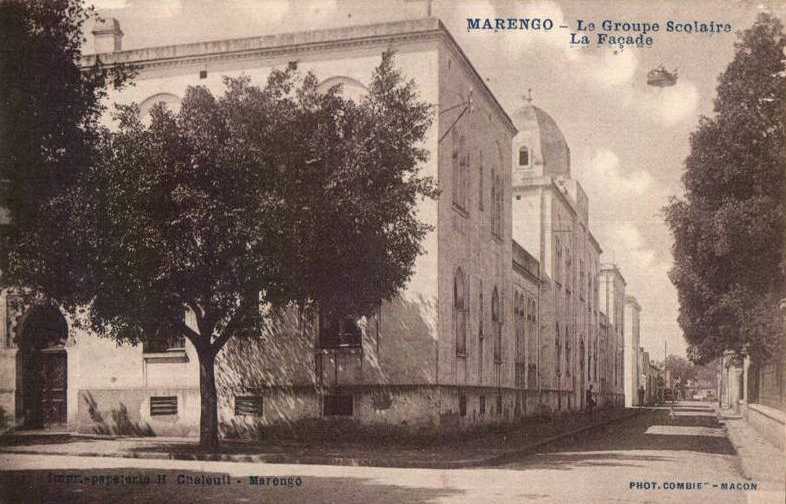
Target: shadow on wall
{"x": 120, "y": 424}
{"x": 284, "y": 367}
{"x": 282, "y": 356}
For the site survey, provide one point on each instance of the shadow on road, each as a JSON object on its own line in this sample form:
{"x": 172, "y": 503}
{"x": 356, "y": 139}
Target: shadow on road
{"x": 681, "y": 428}
{"x": 39, "y": 439}
{"x": 93, "y": 486}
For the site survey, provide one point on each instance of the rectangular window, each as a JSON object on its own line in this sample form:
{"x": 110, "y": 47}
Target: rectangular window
{"x": 339, "y": 332}
{"x": 480, "y": 183}
{"x": 498, "y": 343}
{"x": 338, "y": 405}
{"x": 169, "y": 343}
{"x": 521, "y": 369}
{"x": 499, "y": 404}
{"x": 248, "y": 406}
{"x": 163, "y": 405}
{"x": 482, "y": 405}
{"x": 532, "y": 375}
{"x": 462, "y": 404}
{"x": 167, "y": 338}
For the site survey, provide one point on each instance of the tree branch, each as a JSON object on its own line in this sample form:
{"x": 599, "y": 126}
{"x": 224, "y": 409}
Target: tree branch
{"x": 189, "y": 333}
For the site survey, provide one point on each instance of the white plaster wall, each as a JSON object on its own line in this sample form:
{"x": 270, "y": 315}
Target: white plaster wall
{"x": 465, "y": 237}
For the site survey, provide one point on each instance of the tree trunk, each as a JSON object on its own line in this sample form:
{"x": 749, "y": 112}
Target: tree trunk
{"x": 208, "y": 421}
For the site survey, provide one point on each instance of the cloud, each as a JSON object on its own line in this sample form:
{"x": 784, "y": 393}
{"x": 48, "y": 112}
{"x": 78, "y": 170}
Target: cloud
{"x": 630, "y": 248}
{"x": 268, "y": 11}
{"x": 605, "y": 175}
{"x": 669, "y": 106}
{"x": 613, "y": 68}
{"x": 110, "y": 4}
{"x": 319, "y": 8}
{"x": 516, "y": 42}
{"x": 149, "y": 8}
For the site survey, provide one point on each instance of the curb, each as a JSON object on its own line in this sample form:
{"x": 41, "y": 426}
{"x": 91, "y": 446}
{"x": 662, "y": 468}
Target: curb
{"x": 494, "y": 460}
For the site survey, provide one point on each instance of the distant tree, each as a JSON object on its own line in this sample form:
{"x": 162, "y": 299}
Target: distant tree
{"x": 49, "y": 122}
{"x": 708, "y": 373}
{"x": 728, "y": 228}
{"x": 262, "y": 197}
{"x": 681, "y": 368}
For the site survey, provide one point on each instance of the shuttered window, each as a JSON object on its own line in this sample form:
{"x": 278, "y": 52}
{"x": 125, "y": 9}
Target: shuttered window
{"x": 163, "y": 405}
{"x": 248, "y": 406}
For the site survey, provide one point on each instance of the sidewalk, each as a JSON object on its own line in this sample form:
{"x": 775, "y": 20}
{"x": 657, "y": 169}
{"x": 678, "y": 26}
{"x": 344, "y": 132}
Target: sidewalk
{"x": 483, "y": 450}
{"x": 761, "y": 461}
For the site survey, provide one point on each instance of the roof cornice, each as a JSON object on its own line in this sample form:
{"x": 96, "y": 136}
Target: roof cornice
{"x": 281, "y": 44}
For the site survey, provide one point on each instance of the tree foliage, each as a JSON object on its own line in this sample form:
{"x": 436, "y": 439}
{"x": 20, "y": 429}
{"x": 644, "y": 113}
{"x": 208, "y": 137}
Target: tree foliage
{"x": 728, "y": 228}
{"x": 681, "y": 368}
{"x": 49, "y": 122}
{"x": 265, "y": 196}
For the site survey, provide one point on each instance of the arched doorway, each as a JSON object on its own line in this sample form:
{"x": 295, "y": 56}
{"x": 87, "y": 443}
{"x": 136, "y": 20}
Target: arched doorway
{"x": 43, "y": 367}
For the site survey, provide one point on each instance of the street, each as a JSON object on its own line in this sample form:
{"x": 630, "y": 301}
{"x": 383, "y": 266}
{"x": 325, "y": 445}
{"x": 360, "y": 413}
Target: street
{"x": 658, "y": 456}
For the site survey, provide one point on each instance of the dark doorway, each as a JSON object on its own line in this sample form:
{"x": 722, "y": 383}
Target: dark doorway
{"x": 44, "y": 368}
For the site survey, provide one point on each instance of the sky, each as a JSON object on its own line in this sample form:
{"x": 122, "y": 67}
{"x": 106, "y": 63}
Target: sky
{"x": 628, "y": 140}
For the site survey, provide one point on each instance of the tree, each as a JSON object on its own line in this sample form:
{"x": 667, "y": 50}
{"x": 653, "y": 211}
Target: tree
{"x": 681, "y": 368}
{"x": 49, "y": 119}
{"x": 264, "y": 197}
{"x": 728, "y": 228}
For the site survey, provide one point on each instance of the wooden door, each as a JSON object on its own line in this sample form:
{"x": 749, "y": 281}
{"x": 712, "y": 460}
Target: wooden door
{"x": 54, "y": 387}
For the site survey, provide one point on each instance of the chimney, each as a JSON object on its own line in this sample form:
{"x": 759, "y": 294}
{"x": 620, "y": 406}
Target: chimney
{"x": 107, "y": 36}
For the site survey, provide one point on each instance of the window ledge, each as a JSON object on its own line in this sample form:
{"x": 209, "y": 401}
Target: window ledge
{"x": 340, "y": 349}
{"x": 460, "y": 210}
{"x": 170, "y": 356}
{"x": 461, "y": 355}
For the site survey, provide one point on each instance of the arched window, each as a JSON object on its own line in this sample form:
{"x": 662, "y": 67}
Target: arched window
{"x": 170, "y": 101}
{"x": 480, "y": 333}
{"x": 557, "y": 352}
{"x": 491, "y": 202}
{"x": 523, "y": 156}
{"x": 349, "y": 87}
{"x": 497, "y": 194}
{"x": 496, "y": 320}
{"x": 567, "y": 352}
{"x": 460, "y": 165}
{"x": 520, "y": 318}
{"x": 480, "y": 181}
{"x": 460, "y": 312}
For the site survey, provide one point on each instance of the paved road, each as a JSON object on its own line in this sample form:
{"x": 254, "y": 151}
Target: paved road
{"x": 686, "y": 447}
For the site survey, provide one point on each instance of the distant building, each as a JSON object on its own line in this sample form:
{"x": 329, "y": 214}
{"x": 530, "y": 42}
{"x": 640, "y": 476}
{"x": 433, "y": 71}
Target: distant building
{"x": 632, "y": 340}
{"x": 551, "y": 219}
{"x": 612, "y": 303}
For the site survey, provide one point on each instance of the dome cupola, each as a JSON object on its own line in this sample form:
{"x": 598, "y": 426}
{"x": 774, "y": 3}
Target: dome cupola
{"x": 539, "y": 148}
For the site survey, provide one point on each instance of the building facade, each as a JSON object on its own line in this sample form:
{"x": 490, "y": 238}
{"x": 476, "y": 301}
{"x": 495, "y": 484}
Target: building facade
{"x": 632, "y": 337}
{"x": 551, "y": 220}
{"x": 612, "y": 299}
{"x": 509, "y": 312}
